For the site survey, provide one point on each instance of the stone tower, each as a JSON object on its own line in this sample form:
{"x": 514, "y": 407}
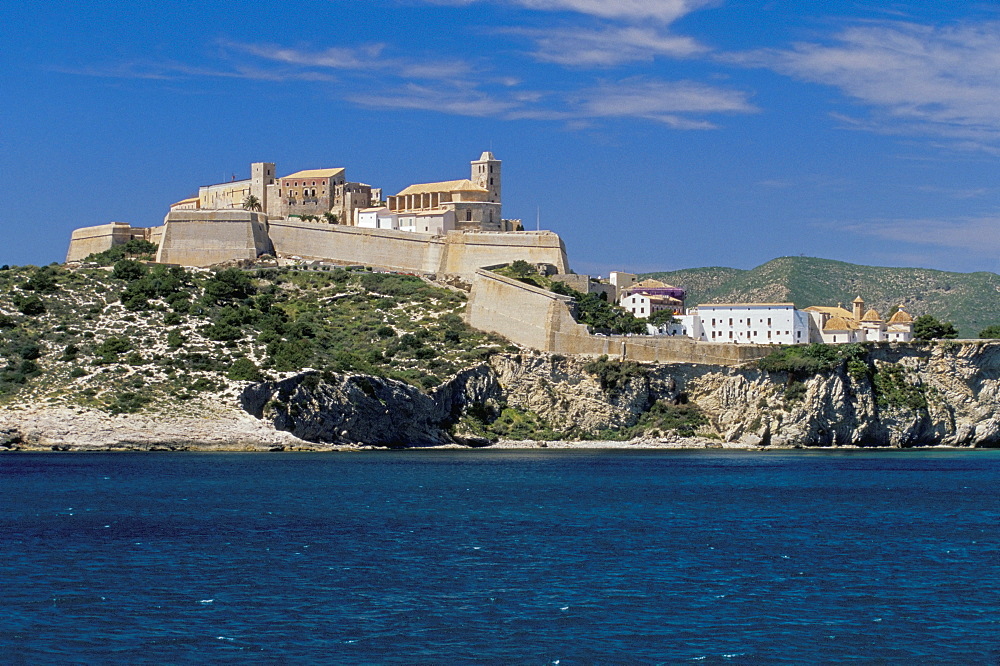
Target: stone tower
{"x": 486, "y": 173}
{"x": 261, "y": 175}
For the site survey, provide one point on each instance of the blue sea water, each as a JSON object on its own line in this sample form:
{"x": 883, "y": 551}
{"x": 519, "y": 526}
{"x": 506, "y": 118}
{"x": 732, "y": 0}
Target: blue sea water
{"x": 512, "y": 557}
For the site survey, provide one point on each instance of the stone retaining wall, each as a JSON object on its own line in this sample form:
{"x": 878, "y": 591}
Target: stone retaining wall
{"x": 543, "y": 320}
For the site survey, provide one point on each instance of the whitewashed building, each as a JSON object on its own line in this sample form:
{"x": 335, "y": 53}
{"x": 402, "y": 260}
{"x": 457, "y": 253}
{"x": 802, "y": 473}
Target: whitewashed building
{"x": 643, "y": 305}
{"x": 745, "y": 323}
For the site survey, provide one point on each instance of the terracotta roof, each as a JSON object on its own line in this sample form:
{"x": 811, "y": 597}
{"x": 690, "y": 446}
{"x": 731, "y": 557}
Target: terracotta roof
{"x": 901, "y": 318}
{"x": 858, "y": 300}
{"x": 871, "y": 315}
{"x": 464, "y": 185}
{"x": 840, "y": 324}
{"x": 315, "y": 173}
{"x": 652, "y": 284}
{"x": 833, "y": 312}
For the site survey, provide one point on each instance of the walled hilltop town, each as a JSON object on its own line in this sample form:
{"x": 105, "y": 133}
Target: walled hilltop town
{"x": 455, "y": 230}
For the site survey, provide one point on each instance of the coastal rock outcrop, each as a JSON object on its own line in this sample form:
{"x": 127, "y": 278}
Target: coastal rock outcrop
{"x": 945, "y": 393}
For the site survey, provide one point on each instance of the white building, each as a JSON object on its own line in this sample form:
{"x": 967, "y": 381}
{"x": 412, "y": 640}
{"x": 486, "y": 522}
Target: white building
{"x": 837, "y": 325}
{"x": 643, "y": 305}
{"x": 745, "y": 323}
{"x": 377, "y": 218}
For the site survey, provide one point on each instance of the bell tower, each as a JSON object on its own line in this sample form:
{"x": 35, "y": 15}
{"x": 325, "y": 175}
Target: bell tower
{"x": 486, "y": 173}
{"x": 261, "y": 175}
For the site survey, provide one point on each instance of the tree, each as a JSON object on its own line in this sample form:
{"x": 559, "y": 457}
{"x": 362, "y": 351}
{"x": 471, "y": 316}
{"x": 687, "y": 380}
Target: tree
{"x": 521, "y": 268}
{"x": 990, "y": 332}
{"x": 331, "y": 217}
{"x": 251, "y": 203}
{"x": 661, "y": 317}
{"x": 927, "y": 327}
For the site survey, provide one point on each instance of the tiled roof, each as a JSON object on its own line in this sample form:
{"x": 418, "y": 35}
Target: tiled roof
{"x": 464, "y": 185}
{"x": 315, "y": 173}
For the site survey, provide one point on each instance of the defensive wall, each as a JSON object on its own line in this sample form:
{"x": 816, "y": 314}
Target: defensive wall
{"x": 456, "y": 252}
{"x": 207, "y": 237}
{"x": 540, "y": 319}
{"x": 88, "y": 240}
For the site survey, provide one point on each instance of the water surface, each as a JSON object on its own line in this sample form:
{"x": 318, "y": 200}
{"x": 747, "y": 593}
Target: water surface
{"x": 525, "y": 557}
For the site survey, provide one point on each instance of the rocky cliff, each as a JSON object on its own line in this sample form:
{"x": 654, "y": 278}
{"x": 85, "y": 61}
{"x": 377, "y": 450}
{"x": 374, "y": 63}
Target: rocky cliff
{"x": 897, "y": 395}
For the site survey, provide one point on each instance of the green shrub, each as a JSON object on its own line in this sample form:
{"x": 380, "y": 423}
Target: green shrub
{"x": 614, "y": 373}
{"x": 243, "y": 369}
{"x": 892, "y": 389}
{"x": 174, "y": 339}
{"x": 128, "y": 402}
{"x": 30, "y": 305}
{"x": 228, "y": 284}
{"x": 128, "y": 270}
{"x": 795, "y": 392}
{"x": 990, "y": 332}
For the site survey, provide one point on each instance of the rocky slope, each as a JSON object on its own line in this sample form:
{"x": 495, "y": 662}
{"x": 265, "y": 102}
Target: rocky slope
{"x": 946, "y": 393}
{"x": 905, "y": 395}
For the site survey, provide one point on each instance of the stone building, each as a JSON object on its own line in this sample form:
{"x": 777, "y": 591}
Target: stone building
{"x": 473, "y": 202}
{"x": 316, "y": 192}
{"x": 232, "y": 194}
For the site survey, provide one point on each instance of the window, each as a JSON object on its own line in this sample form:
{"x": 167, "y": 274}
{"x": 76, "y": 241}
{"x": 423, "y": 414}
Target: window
{"x": 468, "y": 215}
{"x": 730, "y": 335}
{"x": 730, "y": 321}
{"x": 768, "y": 321}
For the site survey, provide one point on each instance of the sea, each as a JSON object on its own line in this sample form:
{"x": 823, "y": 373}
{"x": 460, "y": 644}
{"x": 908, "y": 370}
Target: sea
{"x": 501, "y": 557}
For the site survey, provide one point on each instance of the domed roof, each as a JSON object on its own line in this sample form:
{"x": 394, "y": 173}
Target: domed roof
{"x": 839, "y": 324}
{"x": 901, "y": 318}
{"x": 871, "y": 315}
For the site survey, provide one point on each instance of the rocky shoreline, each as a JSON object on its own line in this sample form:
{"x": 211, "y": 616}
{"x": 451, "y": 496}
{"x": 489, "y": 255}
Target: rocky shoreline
{"x": 78, "y": 430}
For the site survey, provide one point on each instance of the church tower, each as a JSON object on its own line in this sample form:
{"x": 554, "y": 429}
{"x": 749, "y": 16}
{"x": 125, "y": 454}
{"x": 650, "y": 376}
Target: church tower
{"x": 486, "y": 173}
{"x": 261, "y": 175}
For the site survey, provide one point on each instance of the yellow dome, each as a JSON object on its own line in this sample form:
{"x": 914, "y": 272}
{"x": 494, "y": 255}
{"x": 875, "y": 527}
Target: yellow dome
{"x": 871, "y": 315}
{"x": 839, "y": 324}
{"x": 901, "y": 318}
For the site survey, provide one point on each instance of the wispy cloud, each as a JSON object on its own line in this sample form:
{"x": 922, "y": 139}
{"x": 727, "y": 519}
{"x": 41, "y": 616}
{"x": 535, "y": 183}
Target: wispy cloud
{"x": 668, "y": 102}
{"x": 368, "y": 57}
{"x": 664, "y": 11}
{"x": 606, "y": 47}
{"x": 977, "y": 235}
{"x": 926, "y": 80}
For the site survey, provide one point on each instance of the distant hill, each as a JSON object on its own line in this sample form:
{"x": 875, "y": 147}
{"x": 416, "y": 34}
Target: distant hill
{"x": 970, "y": 300}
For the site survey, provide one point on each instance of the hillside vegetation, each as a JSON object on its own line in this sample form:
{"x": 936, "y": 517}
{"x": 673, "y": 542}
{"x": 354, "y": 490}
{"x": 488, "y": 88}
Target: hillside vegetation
{"x": 135, "y": 337}
{"x": 970, "y": 300}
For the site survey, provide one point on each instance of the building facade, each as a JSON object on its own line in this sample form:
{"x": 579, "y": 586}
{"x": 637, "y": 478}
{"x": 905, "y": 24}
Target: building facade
{"x": 745, "y": 323}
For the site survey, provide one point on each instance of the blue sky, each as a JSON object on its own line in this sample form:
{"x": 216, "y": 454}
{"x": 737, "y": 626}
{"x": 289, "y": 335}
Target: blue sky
{"x": 652, "y": 135}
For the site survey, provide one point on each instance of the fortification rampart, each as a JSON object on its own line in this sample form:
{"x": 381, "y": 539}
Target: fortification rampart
{"x": 455, "y": 252}
{"x": 89, "y": 240}
{"x": 207, "y": 237}
{"x": 542, "y": 320}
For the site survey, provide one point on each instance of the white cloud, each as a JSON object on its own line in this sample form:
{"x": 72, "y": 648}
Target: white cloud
{"x": 919, "y": 79}
{"x": 367, "y": 57}
{"x": 662, "y": 100}
{"x": 607, "y": 47}
{"x": 664, "y": 11}
{"x": 977, "y": 235}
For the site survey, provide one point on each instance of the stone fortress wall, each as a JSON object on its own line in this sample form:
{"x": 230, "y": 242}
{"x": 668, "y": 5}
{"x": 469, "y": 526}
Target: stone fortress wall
{"x": 543, "y": 320}
{"x": 457, "y": 252}
{"x": 90, "y": 240}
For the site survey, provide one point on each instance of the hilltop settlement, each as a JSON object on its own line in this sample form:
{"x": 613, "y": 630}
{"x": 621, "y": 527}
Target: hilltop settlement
{"x": 456, "y": 228}
{"x": 309, "y": 312}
